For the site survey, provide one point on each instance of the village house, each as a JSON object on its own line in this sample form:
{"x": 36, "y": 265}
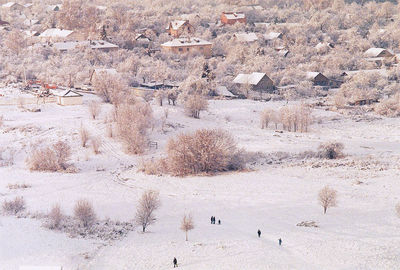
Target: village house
{"x": 188, "y": 45}
{"x": 317, "y": 78}
{"x": 178, "y": 27}
{"x": 245, "y": 37}
{"x": 55, "y": 34}
{"x": 56, "y": 7}
{"x": 256, "y": 81}
{"x": 272, "y": 36}
{"x": 68, "y": 97}
{"x": 378, "y": 56}
{"x": 142, "y": 40}
{"x": 233, "y": 17}
{"x": 100, "y": 45}
{"x": 222, "y": 91}
{"x": 12, "y": 6}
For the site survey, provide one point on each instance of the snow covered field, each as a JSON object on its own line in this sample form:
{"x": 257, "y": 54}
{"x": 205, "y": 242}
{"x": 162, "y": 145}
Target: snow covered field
{"x": 361, "y": 233}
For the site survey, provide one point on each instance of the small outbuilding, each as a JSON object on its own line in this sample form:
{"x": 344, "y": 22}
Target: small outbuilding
{"x": 68, "y": 98}
{"x": 318, "y": 78}
{"x": 257, "y": 81}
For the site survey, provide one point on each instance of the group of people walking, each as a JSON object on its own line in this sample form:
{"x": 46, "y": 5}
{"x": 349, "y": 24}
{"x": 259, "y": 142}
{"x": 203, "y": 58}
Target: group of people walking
{"x": 213, "y": 220}
{"x": 175, "y": 261}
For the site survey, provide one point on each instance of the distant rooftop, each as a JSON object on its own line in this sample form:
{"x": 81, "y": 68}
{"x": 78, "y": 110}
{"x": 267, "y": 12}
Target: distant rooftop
{"x": 178, "y": 42}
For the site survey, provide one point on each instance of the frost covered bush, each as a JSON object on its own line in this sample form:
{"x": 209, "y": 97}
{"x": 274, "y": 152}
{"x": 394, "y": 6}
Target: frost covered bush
{"x": 389, "y": 107}
{"x": 133, "y": 122}
{"x": 397, "y": 208}
{"x": 84, "y": 135}
{"x": 13, "y": 207}
{"x": 194, "y": 104}
{"x": 94, "y": 109}
{"x": 55, "y": 217}
{"x": 53, "y": 158}
{"x": 204, "y": 151}
{"x": 330, "y": 150}
{"x": 84, "y": 212}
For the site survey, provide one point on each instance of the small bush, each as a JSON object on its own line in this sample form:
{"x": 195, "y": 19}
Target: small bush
{"x": 331, "y": 150}
{"x": 84, "y": 212}
{"x": 84, "y": 135}
{"x": 1, "y": 120}
{"x": 51, "y": 158}
{"x": 14, "y": 207}
{"x": 204, "y": 151}
{"x": 55, "y": 217}
{"x": 194, "y": 104}
{"x": 96, "y": 144}
{"x": 389, "y": 107}
{"x": 397, "y": 208}
{"x": 94, "y": 109}
{"x": 133, "y": 123}
{"x": 109, "y": 130}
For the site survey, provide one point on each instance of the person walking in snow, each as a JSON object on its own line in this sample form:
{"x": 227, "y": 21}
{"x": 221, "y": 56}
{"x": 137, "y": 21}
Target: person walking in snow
{"x": 175, "y": 261}
{"x": 259, "y": 233}
{"x": 212, "y": 219}
{"x": 280, "y": 242}
{"x": 219, "y": 222}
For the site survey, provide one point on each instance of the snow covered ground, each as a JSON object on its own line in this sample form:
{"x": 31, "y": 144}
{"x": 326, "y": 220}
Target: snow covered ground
{"x": 361, "y": 233}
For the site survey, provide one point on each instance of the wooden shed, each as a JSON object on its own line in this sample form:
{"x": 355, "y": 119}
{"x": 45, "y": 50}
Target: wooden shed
{"x": 68, "y": 98}
{"x": 257, "y": 81}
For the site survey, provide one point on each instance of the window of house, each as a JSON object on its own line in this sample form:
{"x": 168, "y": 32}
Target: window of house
{"x": 201, "y": 48}
{"x": 187, "y": 49}
{"x": 180, "y": 49}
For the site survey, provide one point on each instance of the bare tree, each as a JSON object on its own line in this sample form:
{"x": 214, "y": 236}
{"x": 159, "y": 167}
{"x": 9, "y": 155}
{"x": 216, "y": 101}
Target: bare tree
{"x": 94, "y": 109}
{"x": 148, "y": 203}
{"x": 327, "y": 198}
{"x": 187, "y": 224}
{"x": 84, "y": 212}
{"x": 50, "y": 158}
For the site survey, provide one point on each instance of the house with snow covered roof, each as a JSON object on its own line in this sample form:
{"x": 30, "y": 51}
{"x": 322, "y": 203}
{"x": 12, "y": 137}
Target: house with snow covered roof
{"x": 377, "y": 52}
{"x": 245, "y": 37}
{"x": 257, "y": 81}
{"x": 317, "y": 78}
{"x": 188, "y": 45}
{"x": 178, "y": 27}
{"x": 233, "y": 17}
{"x": 12, "y": 6}
{"x": 273, "y": 36}
{"x": 378, "y": 55}
{"x": 55, "y": 34}
{"x": 101, "y": 45}
{"x": 68, "y": 97}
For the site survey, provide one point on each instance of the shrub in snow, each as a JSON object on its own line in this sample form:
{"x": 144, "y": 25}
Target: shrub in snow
{"x": 94, "y": 109}
{"x": 13, "y": 207}
{"x": 194, "y": 104}
{"x": 84, "y": 135}
{"x": 133, "y": 122}
{"x": 96, "y": 143}
{"x": 327, "y": 198}
{"x": 331, "y": 150}
{"x": 148, "y": 203}
{"x": 55, "y": 217}
{"x": 397, "y": 208}
{"x": 204, "y": 151}
{"x": 84, "y": 212}
{"x": 389, "y": 107}
{"x": 51, "y": 158}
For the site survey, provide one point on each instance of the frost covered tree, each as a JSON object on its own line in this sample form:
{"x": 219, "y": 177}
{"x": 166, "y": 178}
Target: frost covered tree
{"x": 148, "y": 204}
{"x": 327, "y": 198}
{"x": 187, "y": 224}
